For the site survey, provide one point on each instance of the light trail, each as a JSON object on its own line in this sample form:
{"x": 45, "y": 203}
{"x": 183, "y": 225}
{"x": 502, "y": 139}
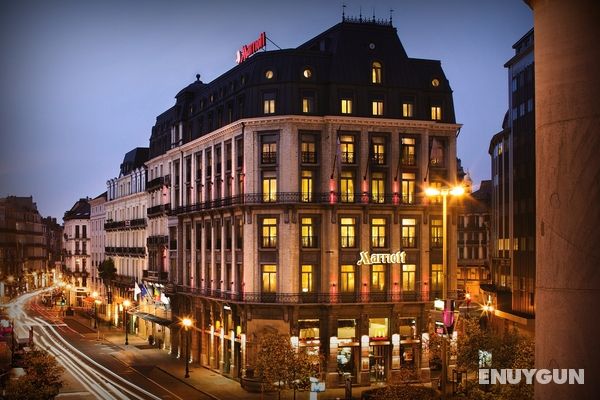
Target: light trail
{"x": 101, "y": 382}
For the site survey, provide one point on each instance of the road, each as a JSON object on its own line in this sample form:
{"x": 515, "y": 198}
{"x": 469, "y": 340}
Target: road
{"x": 93, "y": 364}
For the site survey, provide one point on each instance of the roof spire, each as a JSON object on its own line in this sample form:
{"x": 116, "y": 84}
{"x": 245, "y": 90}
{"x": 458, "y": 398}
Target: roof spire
{"x": 343, "y": 12}
{"x": 391, "y": 12}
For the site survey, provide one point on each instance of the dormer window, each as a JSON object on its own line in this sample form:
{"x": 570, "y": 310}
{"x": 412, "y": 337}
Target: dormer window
{"x": 376, "y": 72}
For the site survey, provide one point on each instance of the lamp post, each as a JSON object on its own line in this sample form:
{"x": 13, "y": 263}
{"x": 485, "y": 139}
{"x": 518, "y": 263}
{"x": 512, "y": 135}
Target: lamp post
{"x": 444, "y": 192}
{"x": 187, "y": 323}
{"x": 126, "y": 305}
{"x": 95, "y": 297}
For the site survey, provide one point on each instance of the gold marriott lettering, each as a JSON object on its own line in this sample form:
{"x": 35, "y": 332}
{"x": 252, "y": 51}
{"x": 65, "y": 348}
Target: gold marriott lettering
{"x": 398, "y": 257}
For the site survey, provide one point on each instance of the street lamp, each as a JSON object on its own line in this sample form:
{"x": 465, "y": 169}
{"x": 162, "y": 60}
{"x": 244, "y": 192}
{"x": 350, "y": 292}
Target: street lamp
{"x": 187, "y": 323}
{"x": 95, "y": 297}
{"x": 126, "y": 304}
{"x": 444, "y": 192}
{"x": 97, "y": 302}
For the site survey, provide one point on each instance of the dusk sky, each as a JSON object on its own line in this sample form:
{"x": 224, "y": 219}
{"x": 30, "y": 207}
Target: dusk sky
{"x": 83, "y": 81}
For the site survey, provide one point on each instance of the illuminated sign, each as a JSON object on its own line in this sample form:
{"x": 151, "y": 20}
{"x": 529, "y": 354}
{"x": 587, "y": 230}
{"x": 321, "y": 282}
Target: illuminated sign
{"x": 398, "y": 257}
{"x": 251, "y": 48}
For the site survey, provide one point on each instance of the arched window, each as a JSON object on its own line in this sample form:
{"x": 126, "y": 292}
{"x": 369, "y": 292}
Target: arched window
{"x": 376, "y": 72}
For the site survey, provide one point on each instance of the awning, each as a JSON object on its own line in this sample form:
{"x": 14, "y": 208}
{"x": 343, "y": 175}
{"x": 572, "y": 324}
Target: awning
{"x": 153, "y": 318}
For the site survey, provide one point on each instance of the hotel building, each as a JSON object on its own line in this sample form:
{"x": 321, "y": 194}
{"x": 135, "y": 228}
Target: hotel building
{"x": 269, "y": 184}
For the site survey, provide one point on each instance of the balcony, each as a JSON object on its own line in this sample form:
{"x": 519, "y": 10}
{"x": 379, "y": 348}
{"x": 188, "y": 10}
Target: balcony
{"x": 308, "y": 157}
{"x": 156, "y": 276}
{"x": 312, "y": 297}
{"x": 157, "y": 240}
{"x": 157, "y": 211}
{"x": 158, "y": 183}
{"x": 298, "y": 198}
{"x": 127, "y": 224}
{"x": 125, "y": 251}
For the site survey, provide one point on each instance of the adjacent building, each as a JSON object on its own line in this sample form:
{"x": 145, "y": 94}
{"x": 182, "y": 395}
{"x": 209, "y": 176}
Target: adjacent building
{"x": 76, "y": 251}
{"x": 512, "y": 152}
{"x": 473, "y": 241}
{"x": 288, "y": 195}
{"x": 97, "y": 243}
{"x": 125, "y": 226}
{"x": 23, "y": 252}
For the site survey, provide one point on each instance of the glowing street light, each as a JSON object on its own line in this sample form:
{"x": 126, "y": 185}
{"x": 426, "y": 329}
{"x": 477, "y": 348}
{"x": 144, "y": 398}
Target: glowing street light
{"x": 444, "y": 192}
{"x": 187, "y": 323}
{"x": 126, "y": 305}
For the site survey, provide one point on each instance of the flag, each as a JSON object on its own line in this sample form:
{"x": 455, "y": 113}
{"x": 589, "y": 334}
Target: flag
{"x": 136, "y": 290}
{"x": 143, "y": 290}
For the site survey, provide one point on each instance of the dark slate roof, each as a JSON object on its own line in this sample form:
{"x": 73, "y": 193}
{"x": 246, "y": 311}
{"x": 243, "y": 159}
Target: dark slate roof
{"x": 134, "y": 159}
{"x": 80, "y": 210}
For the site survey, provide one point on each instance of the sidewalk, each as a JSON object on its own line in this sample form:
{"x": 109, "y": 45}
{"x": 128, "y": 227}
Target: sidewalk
{"x": 202, "y": 379}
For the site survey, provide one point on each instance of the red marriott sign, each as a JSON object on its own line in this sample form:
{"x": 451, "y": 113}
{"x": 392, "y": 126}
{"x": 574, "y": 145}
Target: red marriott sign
{"x": 251, "y": 48}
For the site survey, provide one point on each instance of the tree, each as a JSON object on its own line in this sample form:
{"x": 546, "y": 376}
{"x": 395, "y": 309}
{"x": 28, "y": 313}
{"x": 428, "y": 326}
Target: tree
{"x": 273, "y": 361}
{"x": 281, "y": 366}
{"x": 509, "y": 350}
{"x": 107, "y": 272}
{"x": 42, "y": 380}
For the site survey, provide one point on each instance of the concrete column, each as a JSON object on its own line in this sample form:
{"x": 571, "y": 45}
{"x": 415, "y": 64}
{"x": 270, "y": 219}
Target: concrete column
{"x": 567, "y": 192}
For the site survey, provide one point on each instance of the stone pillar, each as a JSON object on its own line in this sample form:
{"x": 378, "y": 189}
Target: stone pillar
{"x": 568, "y": 192}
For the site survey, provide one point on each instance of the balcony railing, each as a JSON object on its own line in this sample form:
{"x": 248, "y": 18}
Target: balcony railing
{"x": 126, "y": 224}
{"x": 160, "y": 276}
{"x": 297, "y": 198}
{"x": 156, "y": 211}
{"x": 157, "y": 240}
{"x": 125, "y": 251}
{"x": 312, "y": 297}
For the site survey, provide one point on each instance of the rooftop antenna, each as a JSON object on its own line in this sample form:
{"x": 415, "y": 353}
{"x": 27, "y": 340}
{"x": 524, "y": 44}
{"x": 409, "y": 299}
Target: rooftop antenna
{"x": 373, "y": 14}
{"x": 391, "y": 12}
{"x": 343, "y": 12}
{"x": 360, "y": 10}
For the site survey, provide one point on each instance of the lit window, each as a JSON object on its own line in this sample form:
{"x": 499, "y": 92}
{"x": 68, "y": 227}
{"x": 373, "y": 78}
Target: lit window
{"x": 269, "y": 186}
{"x": 435, "y": 199}
{"x": 436, "y": 277}
{"x": 436, "y": 157}
{"x": 408, "y": 188}
{"x": 347, "y": 187}
{"x": 409, "y": 233}
{"x": 437, "y": 235}
{"x": 408, "y": 151}
{"x": 378, "y": 228}
{"x": 407, "y": 110}
{"x": 436, "y": 113}
{"x": 376, "y": 72}
{"x": 378, "y": 187}
{"x": 269, "y": 74}
{"x": 346, "y": 106}
{"x": 307, "y": 231}
{"x": 348, "y": 232}
{"x": 347, "y": 149}
{"x": 269, "y": 278}
{"x": 308, "y": 152}
{"x": 269, "y": 103}
{"x": 347, "y": 278}
{"x": 307, "y": 186}
{"x": 308, "y": 104}
{"x": 269, "y": 233}
{"x": 378, "y": 277}
{"x": 269, "y": 153}
{"x": 378, "y": 151}
{"x": 377, "y": 107}
{"x": 307, "y": 73}
{"x": 408, "y": 277}
{"x": 306, "y": 278}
